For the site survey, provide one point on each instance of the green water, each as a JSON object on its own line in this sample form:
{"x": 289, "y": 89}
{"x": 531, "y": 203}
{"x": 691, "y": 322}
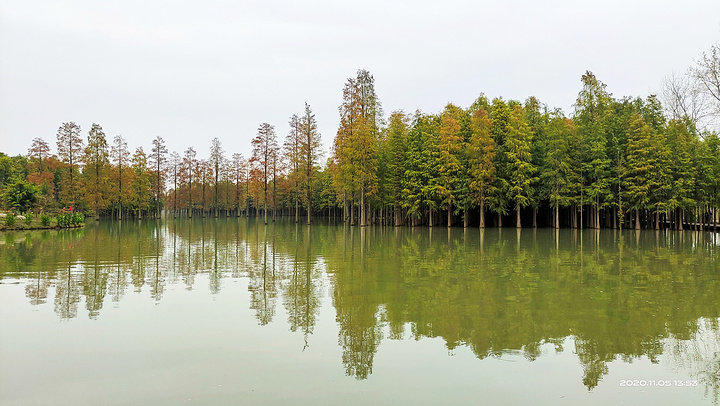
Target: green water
{"x": 232, "y": 311}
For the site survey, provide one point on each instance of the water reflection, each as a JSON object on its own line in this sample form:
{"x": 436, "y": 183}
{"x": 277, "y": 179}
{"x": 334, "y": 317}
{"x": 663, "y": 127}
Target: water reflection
{"x": 617, "y": 295}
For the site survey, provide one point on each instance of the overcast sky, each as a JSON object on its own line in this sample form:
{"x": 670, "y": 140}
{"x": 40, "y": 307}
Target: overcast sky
{"x": 189, "y": 71}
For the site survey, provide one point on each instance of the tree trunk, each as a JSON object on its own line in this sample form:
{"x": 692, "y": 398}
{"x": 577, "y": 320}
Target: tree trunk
{"x": 449, "y": 223}
{"x": 534, "y": 217}
{"x": 363, "y": 215}
{"x": 466, "y": 216}
{"x": 680, "y": 219}
{"x": 352, "y": 213}
{"x": 482, "y": 214}
{"x": 637, "y": 219}
{"x": 517, "y": 216}
{"x": 499, "y": 220}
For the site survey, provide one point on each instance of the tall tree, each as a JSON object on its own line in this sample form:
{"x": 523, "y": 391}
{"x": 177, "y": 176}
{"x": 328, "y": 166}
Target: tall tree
{"x": 158, "y": 162}
{"x": 500, "y": 114}
{"x": 450, "y": 165}
{"x": 175, "y": 171}
{"x": 556, "y": 173}
{"x": 264, "y": 150}
{"x": 517, "y": 149}
{"x": 293, "y": 157}
{"x": 189, "y": 165}
{"x": 481, "y": 154}
{"x": 38, "y": 168}
{"x": 356, "y": 140}
{"x": 684, "y": 98}
{"x": 96, "y": 187}
{"x": 140, "y": 183}
{"x": 397, "y": 139}
{"x": 70, "y": 151}
{"x": 216, "y": 158}
{"x": 591, "y": 115}
{"x": 239, "y": 170}
{"x": 121, "y": 160}
{"x": 707, "y": 73}
{"x": 310, "y": 154}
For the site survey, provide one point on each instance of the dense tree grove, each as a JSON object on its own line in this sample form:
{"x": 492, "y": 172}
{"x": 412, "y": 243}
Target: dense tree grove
{"x": 613, "y": 163}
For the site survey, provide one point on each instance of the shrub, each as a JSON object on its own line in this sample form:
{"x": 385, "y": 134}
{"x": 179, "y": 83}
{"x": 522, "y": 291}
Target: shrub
{"x": 28, "y": 218}
{"x": 44, "y": 220}
{"x": 70, "y": 219}
{"x": 77, "y": 219}
{"x": 10, "y": 220}
{"x": 63, "y": 220}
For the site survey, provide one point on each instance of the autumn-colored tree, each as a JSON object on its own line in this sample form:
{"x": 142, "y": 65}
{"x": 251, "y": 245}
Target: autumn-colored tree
{"x": 264, "y": 152}
{"x": 120, "y": 156}
{"x": 189, "y": 164}
{"x": 216, "y": 158}
{"x": 355, "y": 145}
{"x": 158, "y": 162}
{"x": 175, "y": 167}
{"x": 140, "y": 183}
{"x": 96, "y": 186}
{"x": 39, "y": 172}
{"x": 481, "y": 157}
{"x": 70, "y": 151}
{"x": 239, "y": 171}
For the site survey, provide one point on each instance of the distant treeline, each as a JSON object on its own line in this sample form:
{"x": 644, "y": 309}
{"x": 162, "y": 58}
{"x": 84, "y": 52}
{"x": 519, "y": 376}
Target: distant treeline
{"x": 616, "y": 163}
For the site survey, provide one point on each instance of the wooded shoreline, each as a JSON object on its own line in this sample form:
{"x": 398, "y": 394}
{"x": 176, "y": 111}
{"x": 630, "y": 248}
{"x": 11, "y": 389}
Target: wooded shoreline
{"x": 614, "y": 163}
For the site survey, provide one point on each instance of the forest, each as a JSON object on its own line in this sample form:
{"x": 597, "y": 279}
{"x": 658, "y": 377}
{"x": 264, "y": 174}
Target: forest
{"x": 632, "y": 162}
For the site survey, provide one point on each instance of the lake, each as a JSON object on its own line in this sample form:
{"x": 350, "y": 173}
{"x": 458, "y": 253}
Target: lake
{"x": 231, "y": 311}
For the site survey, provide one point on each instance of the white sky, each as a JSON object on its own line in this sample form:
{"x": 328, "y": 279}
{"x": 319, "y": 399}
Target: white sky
{"x": 189, "y": 71}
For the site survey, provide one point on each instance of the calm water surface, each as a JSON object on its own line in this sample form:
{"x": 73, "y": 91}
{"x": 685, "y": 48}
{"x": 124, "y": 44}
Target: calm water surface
{"x": 232, "y": 311}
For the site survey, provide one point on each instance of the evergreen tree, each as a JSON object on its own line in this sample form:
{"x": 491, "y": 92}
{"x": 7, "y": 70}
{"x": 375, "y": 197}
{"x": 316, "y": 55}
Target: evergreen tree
{"x": 591, "y": 115}
{"x": 518, "y": 156}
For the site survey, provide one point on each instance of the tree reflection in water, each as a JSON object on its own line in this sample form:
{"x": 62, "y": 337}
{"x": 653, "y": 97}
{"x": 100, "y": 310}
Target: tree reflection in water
{"x": 617, "y": 295}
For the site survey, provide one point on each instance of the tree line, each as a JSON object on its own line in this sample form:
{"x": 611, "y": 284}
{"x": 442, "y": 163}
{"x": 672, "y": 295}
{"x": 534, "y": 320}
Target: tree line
{"x": 627, "y": 162}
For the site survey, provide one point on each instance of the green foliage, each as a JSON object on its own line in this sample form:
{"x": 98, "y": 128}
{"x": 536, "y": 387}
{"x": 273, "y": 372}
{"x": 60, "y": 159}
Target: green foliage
{"x": 63, "y": 220}
{"x": 44, "y": 220}
{"x": 10, "y": 220}
{"x": 20, "y": 195}
{"x": 66, "y": 220}
{"x": 28, "y": 218}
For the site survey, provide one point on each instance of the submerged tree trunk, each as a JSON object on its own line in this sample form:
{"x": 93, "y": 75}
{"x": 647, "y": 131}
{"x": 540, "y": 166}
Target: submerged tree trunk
{"x": 363, "y": 215}
{"x": 517, "y": 216}
{"x": 637, "y": 219}
{"x": 557, "y": 215}
{"x": 482, "y": 214}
